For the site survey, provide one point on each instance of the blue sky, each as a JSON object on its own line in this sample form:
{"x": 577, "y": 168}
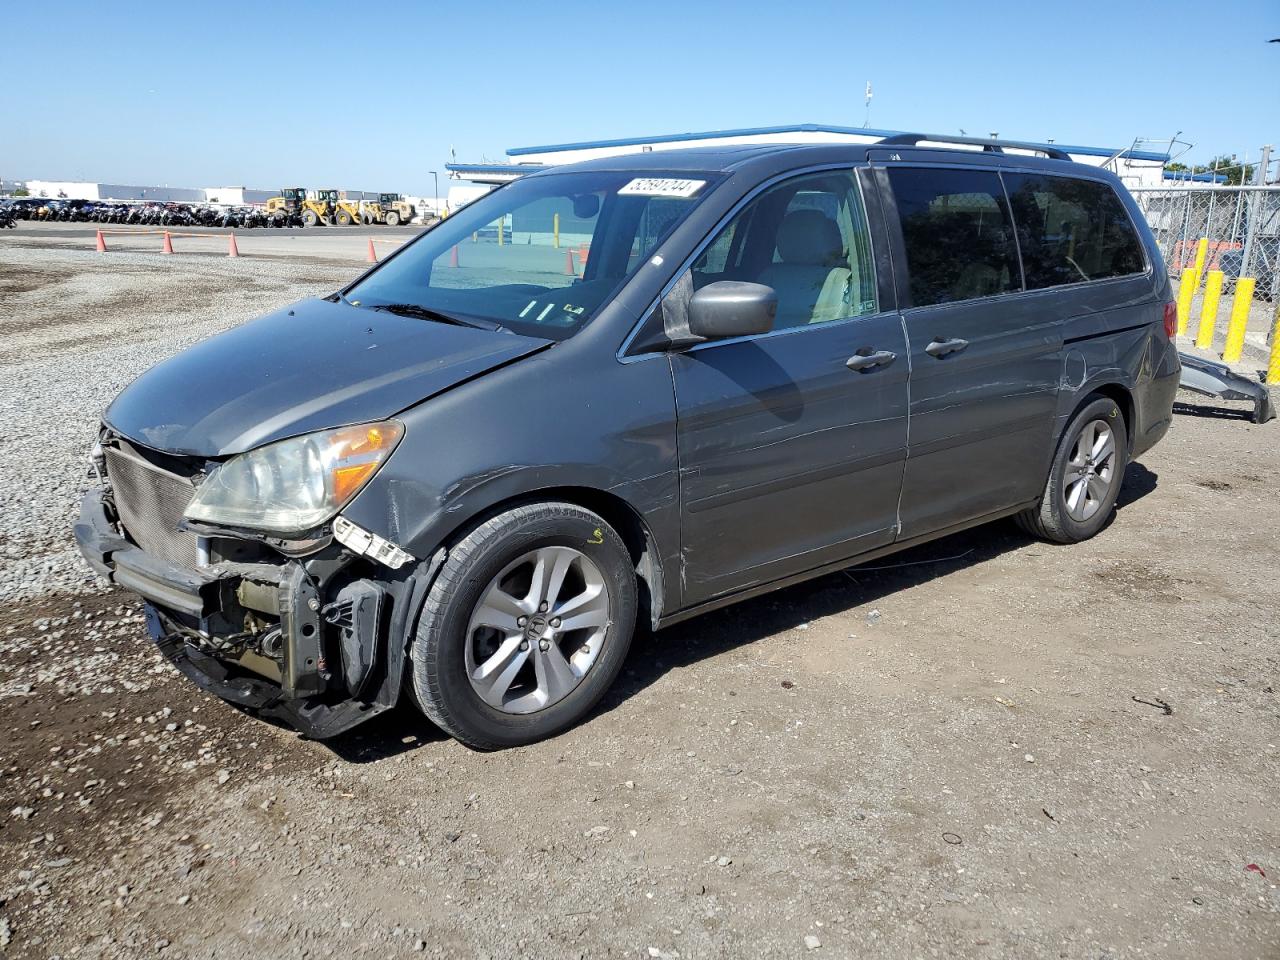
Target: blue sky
{"x": 199, "y": 94}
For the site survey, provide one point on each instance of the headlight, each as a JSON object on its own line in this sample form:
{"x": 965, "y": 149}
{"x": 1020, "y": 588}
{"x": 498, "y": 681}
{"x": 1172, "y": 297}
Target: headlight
{"x": 295, "y": 485}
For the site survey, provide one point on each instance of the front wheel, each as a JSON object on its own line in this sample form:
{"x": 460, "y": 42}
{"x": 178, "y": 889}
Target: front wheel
{"x": 526, "y": 626}
{"x": 1085, "y": 477}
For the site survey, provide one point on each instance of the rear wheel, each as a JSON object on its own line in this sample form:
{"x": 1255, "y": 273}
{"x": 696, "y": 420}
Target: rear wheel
{"x": 309, "y": 218}
{"x": 393, "y": 219}
{"x": 344, "y": 218}
{"x": 526, "y": 626}
{"x": 1085, "y": 477}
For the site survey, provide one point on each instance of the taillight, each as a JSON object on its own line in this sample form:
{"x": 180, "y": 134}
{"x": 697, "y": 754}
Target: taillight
{"x": 1170, "y": 319}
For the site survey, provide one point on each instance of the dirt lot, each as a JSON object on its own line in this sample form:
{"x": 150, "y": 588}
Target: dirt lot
{"x": 960, "y": 751}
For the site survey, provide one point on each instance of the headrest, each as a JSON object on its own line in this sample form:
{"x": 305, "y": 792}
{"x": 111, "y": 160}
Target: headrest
{"x": 810, "y": 237}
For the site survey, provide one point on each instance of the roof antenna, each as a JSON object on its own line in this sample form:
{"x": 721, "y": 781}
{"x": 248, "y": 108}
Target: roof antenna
{"x": 866, "y": 120}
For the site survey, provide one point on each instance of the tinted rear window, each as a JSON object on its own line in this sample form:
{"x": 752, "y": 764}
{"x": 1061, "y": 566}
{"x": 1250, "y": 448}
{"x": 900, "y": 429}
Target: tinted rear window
{"x": 958, "y": 234}
{"x": 1071, "y": 230}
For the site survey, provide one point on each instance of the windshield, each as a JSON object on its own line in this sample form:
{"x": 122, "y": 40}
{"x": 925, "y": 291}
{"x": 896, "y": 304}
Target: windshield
{"x": 541, "y": 255}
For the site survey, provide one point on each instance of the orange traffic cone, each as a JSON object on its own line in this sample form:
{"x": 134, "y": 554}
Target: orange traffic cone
{"x": 168, "y": 244}
{"x": 102, "y": 243}
{"x": 232, "y": 249}
{"x": 569, "y": 271}
{"x": 453, "y": 256}
{"x": 373, "y": 256}
{"x": 582, "y": 254}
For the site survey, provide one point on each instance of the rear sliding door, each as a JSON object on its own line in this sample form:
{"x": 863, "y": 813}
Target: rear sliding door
{"x": 985, "y": 362}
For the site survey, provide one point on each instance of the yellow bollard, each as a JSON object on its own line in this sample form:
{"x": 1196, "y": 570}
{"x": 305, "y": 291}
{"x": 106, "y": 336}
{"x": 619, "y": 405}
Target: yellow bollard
{"x": 1202, "y": 251}
{"x": 1186, "y": 290}
{"x": 1239, "y": 319}
{"x": 1209, "y": 309}
{"x": 1273, "y": 368}
{"x": 501, "y": 224}
{"x": 555, "y": 229}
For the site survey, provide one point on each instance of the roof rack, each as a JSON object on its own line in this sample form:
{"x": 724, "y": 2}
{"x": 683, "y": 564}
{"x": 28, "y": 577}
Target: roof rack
{"x": 987, "y": 144}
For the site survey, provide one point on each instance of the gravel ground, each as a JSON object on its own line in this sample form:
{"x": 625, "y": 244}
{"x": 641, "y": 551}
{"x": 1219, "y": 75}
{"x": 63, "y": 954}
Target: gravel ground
{"x": 959, "y": 751}
{"x": 76, "y": 330}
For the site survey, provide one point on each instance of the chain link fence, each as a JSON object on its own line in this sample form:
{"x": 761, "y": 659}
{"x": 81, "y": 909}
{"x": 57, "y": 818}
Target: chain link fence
{"x": 1242, "y": 225}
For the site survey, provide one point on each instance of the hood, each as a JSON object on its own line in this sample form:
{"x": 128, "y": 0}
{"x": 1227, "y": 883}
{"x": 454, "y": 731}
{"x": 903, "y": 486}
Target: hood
{"x": 311, "y": 366}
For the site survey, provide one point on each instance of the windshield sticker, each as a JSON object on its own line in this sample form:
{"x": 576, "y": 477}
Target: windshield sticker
{"x": 661, "y": 187}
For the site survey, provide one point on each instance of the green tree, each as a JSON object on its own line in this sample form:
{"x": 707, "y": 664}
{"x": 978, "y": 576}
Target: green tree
{"x": 1227, "y": 165}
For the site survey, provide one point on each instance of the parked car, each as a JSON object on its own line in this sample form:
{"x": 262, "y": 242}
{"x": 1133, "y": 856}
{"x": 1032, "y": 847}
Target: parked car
{"x": 465, "y": 476}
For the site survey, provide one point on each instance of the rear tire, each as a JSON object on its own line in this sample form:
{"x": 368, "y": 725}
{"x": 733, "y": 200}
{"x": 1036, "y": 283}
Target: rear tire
{"x": 540, "y": 679}
{"x": 344, "y": 218}
{"x": 393, "y": 219}
{"x": 309, "y": 218}
{"x": 1085, "y": 476}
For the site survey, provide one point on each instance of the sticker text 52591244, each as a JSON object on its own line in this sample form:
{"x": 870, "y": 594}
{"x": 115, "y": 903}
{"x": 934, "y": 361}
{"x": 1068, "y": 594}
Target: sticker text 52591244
{"x": 661, "y": 187}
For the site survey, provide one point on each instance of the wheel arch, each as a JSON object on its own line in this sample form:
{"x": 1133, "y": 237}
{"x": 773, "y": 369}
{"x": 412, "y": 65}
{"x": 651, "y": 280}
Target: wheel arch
{"x": 614, "y": 510}
{"x": 1112, "y": 390}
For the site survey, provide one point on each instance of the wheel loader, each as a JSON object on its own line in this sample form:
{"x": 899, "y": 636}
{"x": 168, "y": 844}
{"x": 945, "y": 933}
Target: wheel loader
{"x": 394, "y": 209}
{"x": 348, "y": 212}
{"x": 294, "y": 201}
{"x": 320, "y": 207}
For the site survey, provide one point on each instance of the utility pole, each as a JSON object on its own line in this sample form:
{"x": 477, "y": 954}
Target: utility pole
{"x": 1251, "y": 205}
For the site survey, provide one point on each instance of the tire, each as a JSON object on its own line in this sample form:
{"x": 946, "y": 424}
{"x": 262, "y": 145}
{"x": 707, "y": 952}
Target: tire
{"x": 309, "y": 218}
{"x": 1068, "y": 511}
{"x": 344, "y": 218}
{"x": 449, "y": 646}
{"x": 393, "y": 219}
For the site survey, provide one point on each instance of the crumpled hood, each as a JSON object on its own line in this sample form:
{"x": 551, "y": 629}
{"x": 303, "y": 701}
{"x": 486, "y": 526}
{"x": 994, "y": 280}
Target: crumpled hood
{"x": 312, "y": 366}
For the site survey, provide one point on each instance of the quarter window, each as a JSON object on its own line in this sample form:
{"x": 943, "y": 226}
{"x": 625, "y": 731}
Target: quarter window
{"x": 805, "y": 237}
{"x": 1071, "y": 230}
{"x": 958, "y": 234}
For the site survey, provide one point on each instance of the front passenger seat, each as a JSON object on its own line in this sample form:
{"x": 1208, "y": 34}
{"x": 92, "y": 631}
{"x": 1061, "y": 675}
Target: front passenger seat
{"x": 813, "y": 281}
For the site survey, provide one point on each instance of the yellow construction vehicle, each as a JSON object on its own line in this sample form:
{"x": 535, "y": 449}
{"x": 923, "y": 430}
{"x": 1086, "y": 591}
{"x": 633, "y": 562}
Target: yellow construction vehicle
{"x": 320, "y": 207}
{"x": 393, "y": 209}
{"x": 348, "y": 212}
{"x": 289, "y": 201}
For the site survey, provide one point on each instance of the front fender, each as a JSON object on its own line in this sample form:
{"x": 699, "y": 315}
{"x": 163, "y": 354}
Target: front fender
{"x": 552, "y": 421}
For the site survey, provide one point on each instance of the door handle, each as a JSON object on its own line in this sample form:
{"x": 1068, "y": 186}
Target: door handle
{"x": 869, "y": 361}
{"x": 940, "y": 348}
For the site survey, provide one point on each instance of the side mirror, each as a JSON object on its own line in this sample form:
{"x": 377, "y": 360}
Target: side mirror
{"x": 732, "y": 308}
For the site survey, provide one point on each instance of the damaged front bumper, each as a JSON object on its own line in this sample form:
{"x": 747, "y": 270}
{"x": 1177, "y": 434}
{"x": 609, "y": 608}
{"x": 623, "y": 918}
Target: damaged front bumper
{"x": 317, "y": 642}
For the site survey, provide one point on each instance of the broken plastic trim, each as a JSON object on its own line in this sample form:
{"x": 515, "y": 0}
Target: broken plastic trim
{"x": 1216, "y": 380}
{"x": 366, "y": 544}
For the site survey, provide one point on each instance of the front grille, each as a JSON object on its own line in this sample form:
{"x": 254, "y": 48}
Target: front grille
{"x": 151, "y": 502}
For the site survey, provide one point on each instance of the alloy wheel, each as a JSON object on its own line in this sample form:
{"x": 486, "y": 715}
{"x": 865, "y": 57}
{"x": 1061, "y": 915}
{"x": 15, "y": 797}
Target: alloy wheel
{"x": 1090, "y": 471}
{"x": 537, "y": 629}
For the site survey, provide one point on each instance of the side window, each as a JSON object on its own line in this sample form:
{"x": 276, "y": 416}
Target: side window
{"x": 957, "y": 232}
{"x": 805, "y": 237}
{"x": 1071, "y": 230}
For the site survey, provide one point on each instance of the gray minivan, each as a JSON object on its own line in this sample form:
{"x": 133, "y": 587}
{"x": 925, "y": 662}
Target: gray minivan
{"x": 645, "y": 387}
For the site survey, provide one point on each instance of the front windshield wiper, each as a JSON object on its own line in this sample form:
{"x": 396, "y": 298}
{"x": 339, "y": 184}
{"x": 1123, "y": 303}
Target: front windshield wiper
{"x": 426, "y": 313}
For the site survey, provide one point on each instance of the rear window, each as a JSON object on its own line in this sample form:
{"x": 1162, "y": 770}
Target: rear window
{"x": 1071, "y": 230}
{"x": 958, "y": 234}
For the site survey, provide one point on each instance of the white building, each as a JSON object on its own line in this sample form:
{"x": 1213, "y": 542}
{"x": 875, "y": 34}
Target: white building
{"x": 84, "y": 190}
{"x": 1135, "y": 167}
